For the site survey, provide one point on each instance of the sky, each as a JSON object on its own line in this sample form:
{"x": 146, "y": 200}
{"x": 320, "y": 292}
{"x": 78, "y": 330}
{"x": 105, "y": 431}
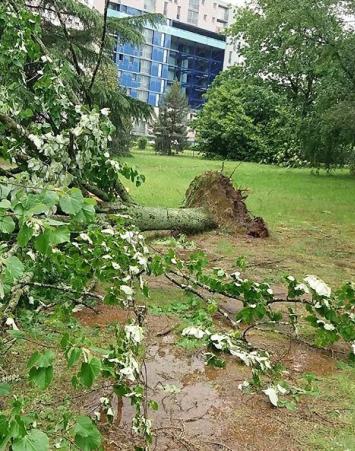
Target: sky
{"x": 236, "y": 2}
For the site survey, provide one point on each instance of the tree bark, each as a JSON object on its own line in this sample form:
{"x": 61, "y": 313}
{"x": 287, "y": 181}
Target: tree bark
{"x": 191, "y": 220}
{"x": 211, "y": 202}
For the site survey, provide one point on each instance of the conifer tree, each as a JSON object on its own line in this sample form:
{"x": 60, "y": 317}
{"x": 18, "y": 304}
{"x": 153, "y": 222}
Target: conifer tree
{"x": 170, "y": 127}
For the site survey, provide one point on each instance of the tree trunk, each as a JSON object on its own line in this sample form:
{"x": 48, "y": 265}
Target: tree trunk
{"x": 211, "y": 202}
{"x": 190, "y": 220}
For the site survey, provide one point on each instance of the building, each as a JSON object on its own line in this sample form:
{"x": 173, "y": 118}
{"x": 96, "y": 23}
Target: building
{"x": 189, "y": 48}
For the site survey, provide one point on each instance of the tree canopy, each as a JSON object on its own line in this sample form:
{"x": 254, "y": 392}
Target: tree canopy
{"x": 244, "y": 119}
{"x": 304, "y": 51}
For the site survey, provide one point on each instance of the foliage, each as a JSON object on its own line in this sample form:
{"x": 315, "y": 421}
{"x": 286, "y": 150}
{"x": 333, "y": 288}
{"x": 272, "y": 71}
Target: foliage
{"x": 142, "y": 143}
{"x": 307, "y": 55}
{"x": 57, "y": 243}
{"x": 170, "y": 127}
{"x": 54, "y": 244}
{"x": 80, "y": 45}
{"x": 330, "y": 313}
{"x": 244, "y": 119}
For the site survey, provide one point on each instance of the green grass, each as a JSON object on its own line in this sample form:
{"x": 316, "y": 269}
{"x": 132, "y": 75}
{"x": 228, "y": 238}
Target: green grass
{"x": 280, "y": 195}
{"x": 311, "y": 217}
{"x": 336, "y": 402}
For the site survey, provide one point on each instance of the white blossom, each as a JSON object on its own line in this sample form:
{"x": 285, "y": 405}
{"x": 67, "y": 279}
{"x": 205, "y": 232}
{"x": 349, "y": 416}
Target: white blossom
{"x": 11, "y": 323}
{"x": 143, "y": 261}
{"x": 134, "y": 333}
{"x": 105, "y": 111}
{"x": 271, "y": 393}
{"x": 302, "y": 287}
{"x": 193, "y": 332}
{"x": 129, "y": 373}
{"x": 326, "y": 326}
{"x": 108, "y": 231}
{"x": 134, "y": 270}
{"x": 244, "y": 385}
{"x": 85, "y": 237}
{"x": 281, "y": 389}
{"x": 128, "y": 291}
{"x": 320, "y": 287}
{"x": 220, "y": 341}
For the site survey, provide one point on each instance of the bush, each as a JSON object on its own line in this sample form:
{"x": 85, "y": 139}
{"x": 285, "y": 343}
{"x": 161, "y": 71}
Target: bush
{"x": 142, "y": 143}
{"x": 243, "y": 119}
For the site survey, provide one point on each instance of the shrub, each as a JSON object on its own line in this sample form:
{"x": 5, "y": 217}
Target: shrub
{"x": 142, "y": 143}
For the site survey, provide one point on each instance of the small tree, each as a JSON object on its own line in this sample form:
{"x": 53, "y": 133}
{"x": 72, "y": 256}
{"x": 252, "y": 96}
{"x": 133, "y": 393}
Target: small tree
{"x": 142, "y": 143}
{"x": 170, "y": 127}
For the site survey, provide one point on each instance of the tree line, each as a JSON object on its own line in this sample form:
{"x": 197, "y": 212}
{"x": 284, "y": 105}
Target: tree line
{"x": 292, "y": 100}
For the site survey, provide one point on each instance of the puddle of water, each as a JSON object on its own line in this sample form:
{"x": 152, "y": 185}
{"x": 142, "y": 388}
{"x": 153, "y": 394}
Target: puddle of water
{"x": 200, "y": 407}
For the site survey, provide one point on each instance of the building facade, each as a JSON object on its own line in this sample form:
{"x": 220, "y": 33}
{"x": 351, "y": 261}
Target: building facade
{"x": 188, "y": 47}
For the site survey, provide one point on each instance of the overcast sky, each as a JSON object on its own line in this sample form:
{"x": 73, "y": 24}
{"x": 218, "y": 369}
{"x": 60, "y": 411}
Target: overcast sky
{"x": 236, "y": 2}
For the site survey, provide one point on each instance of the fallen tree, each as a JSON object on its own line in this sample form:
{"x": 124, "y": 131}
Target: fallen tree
{"x": 66, "y": 147}
{"x": 211, "y": 202}
{"x": 67, "y": 222}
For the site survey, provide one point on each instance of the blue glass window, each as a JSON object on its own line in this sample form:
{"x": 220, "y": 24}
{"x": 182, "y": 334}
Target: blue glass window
{"x": 154, "y": 70}
{"x": 152, "y": 99}
{"x": 155, "y": 84}
{"x": 158, "y": 54}
{"x": 157, "y": 38}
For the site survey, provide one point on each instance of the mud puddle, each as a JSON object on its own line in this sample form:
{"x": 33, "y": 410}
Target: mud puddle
{"x": 202, "y": 408}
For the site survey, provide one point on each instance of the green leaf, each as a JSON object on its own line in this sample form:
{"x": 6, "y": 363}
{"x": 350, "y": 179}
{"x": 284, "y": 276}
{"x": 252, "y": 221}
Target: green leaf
{"x": 41, "y": 368}
{"x": 42, "y": 377}
{"x": 44, "y": 359}
{"x": 5, "y": 204}
{"x": 59, "y": 235}
{"x": 73, "y": 356}
{"x": 51, "y": 237}
{"x": 37, "y": 209}
{"x": 87, "y": 212}
{"x": 42, "y": 242}
{"x": 24, "y": 235}
{"x": 14, "y": 268}
{"x": 89, "y": 371}
{"x": 5, "y": 389}
{"x": 153, "y": 405}
{"x": 87, "y": 436}
{"x": 7, "y": 224}
{"x": 72, "y": 201}
{"x": 35, "y": 440}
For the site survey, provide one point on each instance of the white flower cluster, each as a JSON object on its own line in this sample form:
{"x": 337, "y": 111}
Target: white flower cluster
{"x": 224, "y": 342}
{"x": 317, "y": 285}
{"x": 134, "y": 333}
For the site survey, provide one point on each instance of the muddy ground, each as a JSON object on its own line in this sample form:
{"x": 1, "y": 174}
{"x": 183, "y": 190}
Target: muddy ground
{"x": 201, "y": 407}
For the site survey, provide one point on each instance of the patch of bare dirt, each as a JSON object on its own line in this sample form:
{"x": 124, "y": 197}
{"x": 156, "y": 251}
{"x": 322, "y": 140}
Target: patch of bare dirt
{"x": 103, "y": 316}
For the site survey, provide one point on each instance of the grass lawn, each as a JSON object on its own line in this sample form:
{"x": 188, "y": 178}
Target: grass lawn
{"x": 281, "y": 196}
{"x": 311, "y": 218}
{"x": 312, "y": 224}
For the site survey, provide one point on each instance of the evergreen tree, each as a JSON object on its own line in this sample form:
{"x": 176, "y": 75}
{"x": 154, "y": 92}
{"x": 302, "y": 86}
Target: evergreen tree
{"x": 170, "y": 127}
{"x": 86, "y": 39}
